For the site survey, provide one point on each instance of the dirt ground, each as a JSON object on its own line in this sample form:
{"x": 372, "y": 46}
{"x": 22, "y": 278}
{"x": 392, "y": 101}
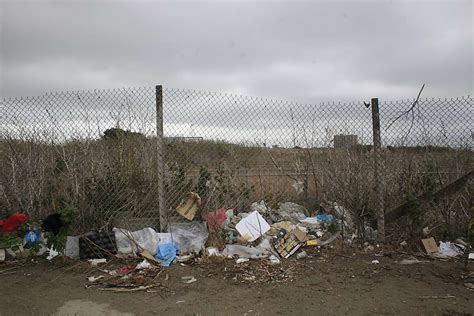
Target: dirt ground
{"x": 329, "y": 283}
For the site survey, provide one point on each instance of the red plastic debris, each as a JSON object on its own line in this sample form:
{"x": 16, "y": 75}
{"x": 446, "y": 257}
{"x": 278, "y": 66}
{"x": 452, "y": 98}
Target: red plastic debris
{"x": 125, "y": 269}
{"x": 11, "y": 223}
{"x": 216, "y": 219}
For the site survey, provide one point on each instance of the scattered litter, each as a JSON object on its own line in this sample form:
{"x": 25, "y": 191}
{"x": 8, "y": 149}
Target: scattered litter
{"x": 430, "y": 245}
{"x": 72, "y": 247}
{"x": 143, "y": 265}
{"x": 312, "y": 242}
{"x": 411, "y": 260}
{"x": 324, "y": 218}
{"x": 310, "y": 221}
{"x": 244, "y": 251}
{"x": 275, "y": 227}
{"x": 134, "y": 242}
{"x": 96, "y": 262}
{"x": 461, "y": 242}
{"x": 274, "y": 259}
{"x": 242, "y": 260}
{"x": 188, "y": 206}
{"x": 253, "y": 226}
{"x": 147, "y": 255}
{"x": 403, "y": 244}
{"x": 125, "y": 269}
{"x": 179, "y": 302}
{"x": 301, "y": 255}
{"x": 286, "y": 243}
{"x": 189, "y": 236}
{"x": 188, "y": 279}
{"x": 96, "y": 245}
{"x": 184, "y": 258}
{"x": 166, "y": 254}
{"x": 216, "y": 220}
{"x": 52, "y": 254}
{"x": 449, "y": 249}
{"x": 375, "y": 262}
{"x": 94, "y": 278}
{"x": 213, "y": 251}
{"x": 2, "y": 254}
{"x": 471, "y": 256}
{"x": 31, "y": 238}
{"x": 342, "y": 213}
{"x": 10, "y": 224}
{"x": 290, "y": 211}
{"x": 259, "y": 207}
{"x": 469, "y": 285}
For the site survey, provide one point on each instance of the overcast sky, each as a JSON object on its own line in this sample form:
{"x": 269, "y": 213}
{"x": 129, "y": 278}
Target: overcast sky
{"x": 301, "y": 51}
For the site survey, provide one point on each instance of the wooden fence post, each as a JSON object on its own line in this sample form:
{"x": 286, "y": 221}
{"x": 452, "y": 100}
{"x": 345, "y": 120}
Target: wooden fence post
{"x": 160, "y": 159}
{"x": 377, "y": 170}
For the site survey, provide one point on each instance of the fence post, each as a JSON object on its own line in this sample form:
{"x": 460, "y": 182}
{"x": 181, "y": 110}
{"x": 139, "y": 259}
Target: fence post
{"x": 377, "y": 170}
{"x": 160, "y": 158}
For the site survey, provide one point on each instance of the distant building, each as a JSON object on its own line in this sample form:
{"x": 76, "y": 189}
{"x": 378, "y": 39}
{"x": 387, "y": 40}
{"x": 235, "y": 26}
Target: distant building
{"x": 345, "y": 141}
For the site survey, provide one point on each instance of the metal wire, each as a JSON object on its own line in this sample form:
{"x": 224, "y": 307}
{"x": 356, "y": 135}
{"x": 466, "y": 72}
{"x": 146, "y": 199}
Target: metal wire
{"x": 96, "y": 151}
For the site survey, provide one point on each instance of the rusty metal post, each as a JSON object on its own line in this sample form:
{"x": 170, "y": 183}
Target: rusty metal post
{"x": 160, "y": 159}
{"x": 377, "y": 170}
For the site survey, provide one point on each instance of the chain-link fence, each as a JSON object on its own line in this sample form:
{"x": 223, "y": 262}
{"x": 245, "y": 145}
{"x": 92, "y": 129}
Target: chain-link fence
{"x": 98, "y": 152}
{"x": 93, "y": 150}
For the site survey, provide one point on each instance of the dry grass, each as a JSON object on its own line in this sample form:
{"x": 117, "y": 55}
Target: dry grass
{"x": 108, "y": 178}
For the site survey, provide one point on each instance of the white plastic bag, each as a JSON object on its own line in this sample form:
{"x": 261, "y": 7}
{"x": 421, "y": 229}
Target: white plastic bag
{"x": 134, "y": 242}
{"x": 188, "y": 236}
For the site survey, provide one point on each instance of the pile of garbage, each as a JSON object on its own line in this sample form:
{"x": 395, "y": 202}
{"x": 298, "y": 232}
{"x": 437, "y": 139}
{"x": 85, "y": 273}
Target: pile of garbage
{"x": 261, "y": 234}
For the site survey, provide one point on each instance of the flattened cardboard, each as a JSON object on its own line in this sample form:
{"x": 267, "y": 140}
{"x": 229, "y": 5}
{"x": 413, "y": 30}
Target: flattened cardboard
{"x": 430, "y": 245}
{"x": 301, "y": 235}
{"x": 188, "y": 207}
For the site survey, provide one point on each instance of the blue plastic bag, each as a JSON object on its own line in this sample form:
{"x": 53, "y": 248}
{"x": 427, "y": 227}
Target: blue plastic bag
{"x": 32, "y": 237}
{"x": 324, "y": 218}
{"x": 166, "y": 253}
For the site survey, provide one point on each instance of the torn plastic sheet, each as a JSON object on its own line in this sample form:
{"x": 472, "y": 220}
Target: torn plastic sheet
{"x": 134, "y": 242}
{"x": 263, "y": 250}
{"x": 450, "y": 249}
{"x": 189, "y": 236}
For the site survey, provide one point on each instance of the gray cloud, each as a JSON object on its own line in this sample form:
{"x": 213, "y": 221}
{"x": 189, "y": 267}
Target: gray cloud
{"x": 303, "y": 51}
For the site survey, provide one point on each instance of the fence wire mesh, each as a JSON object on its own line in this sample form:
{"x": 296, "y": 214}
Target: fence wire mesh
{"x": 91, "y": 150}
{"x": 97, "y": 151}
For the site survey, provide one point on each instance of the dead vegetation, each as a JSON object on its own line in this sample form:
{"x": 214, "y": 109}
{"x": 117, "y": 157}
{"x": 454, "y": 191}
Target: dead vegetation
{"x": 115, "y": 177}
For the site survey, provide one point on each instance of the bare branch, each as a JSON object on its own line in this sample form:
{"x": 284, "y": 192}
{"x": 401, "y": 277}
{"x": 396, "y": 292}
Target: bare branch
{"x": 409, "y": 110}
